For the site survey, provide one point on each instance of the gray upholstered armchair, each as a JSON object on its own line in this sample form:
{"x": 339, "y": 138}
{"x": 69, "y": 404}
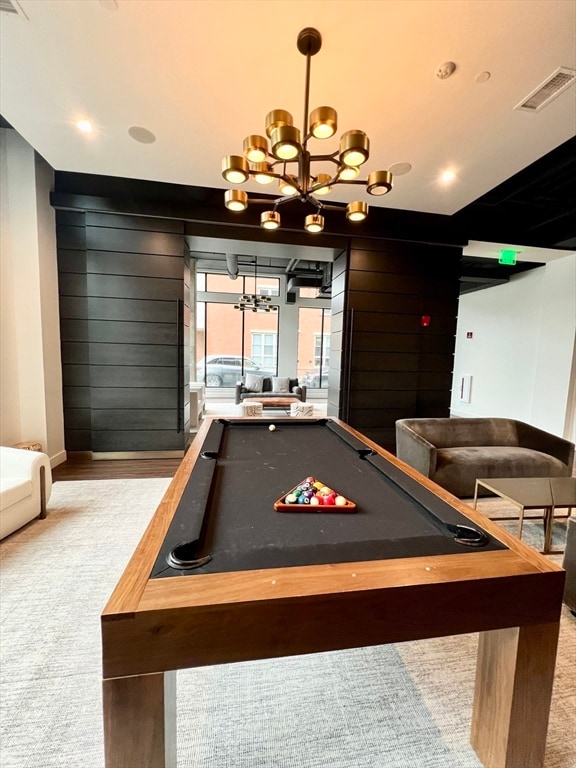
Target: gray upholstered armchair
{"x": 252, "y": 387}
{"x": 455, "y": 452}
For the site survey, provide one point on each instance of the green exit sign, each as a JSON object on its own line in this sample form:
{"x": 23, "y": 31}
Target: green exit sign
{"x": 507, "y": 257}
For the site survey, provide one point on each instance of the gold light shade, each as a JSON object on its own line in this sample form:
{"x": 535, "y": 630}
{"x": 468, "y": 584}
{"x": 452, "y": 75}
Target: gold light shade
{"x": 235, "y": 169}
{"x": 348, "y": 172}
{"x": 288, "y": 188}
{"x": 276, "y": 119}
{"x": 236, "y": 200}
{"x": 314, "y": 223}
{"x": 323, "y": 122}
{"x": 255, "y": 149}
{"x": 354, "y": 148}
{"x": 285, "y": 142}
{"x": 356, "y": 211}
{"x": 270, "y": 220}
{"x": 379, "y": 182}
{"x": 261, "y": 173}
{"x": 322, "y": 178}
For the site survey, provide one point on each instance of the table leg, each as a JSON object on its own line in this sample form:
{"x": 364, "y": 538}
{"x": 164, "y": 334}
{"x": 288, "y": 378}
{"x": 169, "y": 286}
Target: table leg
{"x": 520, "y": 522}
{"x": 548, "y": 520}
{"x": 475, "y": 494}
{"x": 514, "y": 677}
{"x": 140, "y": 721}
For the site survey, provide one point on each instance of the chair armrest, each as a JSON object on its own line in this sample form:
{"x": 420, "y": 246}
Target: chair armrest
{"x": 539, "y": 440}
{"x": 415, "y": 450}
{"x": 16, "y": 462}
{"x": 300, "y": 391}
{"x": 238, "y": 392}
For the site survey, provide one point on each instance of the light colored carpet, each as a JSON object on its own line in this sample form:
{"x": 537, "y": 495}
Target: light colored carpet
{"x": 400, "y": 706}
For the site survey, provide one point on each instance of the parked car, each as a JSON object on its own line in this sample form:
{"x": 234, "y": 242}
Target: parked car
{"x": 313, "y": 380}
{"x": 226, "y": 370}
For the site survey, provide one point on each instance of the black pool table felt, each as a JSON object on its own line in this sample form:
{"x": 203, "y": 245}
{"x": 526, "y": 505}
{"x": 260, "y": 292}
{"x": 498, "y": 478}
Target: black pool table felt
{"x": 226, "y": 511}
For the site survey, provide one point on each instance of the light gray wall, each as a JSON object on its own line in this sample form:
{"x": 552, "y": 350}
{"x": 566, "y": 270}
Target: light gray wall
{"x": 30, "y": 379}
{"x": 522, "y": 351}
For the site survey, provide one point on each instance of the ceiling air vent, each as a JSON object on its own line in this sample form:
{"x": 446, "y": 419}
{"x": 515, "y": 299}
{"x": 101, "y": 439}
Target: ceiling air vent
{"x": 12, "y": 6}
{"x": 558, "y": 81}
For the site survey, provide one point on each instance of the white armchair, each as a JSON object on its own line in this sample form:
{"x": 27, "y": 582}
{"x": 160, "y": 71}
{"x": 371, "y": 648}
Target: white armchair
{"x": 25, "y": 487}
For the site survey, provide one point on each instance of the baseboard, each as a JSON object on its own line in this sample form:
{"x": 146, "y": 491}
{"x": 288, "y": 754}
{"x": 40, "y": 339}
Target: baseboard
{"x": 59, "y": 458}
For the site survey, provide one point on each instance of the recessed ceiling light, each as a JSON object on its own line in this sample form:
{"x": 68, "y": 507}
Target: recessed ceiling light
{"x": 143, "y": 135}
{"x": 400, "y": 169}
{"x": 483, "y": 77}
{"x": 447, "y": 177}
{"x": 85, "y": 126}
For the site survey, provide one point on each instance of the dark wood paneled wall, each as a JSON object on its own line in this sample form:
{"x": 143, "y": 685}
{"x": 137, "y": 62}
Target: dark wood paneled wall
{"x": 391, "y": 366}
{"x": 122, "y": 318}
{"x": 384, "y": 365}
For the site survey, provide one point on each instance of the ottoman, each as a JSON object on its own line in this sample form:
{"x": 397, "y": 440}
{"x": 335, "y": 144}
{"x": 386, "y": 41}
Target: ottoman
{"x": 301, "y": 409}
{"x": 251, "y": 408}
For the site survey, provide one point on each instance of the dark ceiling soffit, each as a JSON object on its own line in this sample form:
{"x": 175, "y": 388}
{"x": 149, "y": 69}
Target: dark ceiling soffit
{"x": 536, "y": 207}
{"x": 204, "y": 206}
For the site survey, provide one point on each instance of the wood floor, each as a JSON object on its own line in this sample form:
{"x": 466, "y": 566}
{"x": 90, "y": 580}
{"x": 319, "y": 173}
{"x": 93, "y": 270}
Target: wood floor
{"x": 88, "y": 469}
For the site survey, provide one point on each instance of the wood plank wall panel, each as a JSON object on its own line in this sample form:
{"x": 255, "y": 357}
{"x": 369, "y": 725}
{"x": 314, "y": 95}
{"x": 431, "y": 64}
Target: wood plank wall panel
{"x": 337, "y": 370}
{"x": 121, "y": 289}
{"x": 392, "y": 367}
{"x": 186, "y": 343}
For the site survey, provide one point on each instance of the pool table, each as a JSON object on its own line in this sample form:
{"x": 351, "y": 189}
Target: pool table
{"x": 220, "y": 576}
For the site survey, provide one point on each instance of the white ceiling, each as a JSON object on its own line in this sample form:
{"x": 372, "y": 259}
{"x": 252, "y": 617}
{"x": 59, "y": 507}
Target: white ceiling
{"x": 202, "y": 74}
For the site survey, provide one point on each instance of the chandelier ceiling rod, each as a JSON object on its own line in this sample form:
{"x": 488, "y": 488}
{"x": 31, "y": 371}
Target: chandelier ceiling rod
{"x": 288, "y": 145}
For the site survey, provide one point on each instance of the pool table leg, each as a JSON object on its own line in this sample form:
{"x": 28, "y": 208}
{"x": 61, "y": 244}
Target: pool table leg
{"x": 514, "y": 678}
{"x": 140, "y": 721}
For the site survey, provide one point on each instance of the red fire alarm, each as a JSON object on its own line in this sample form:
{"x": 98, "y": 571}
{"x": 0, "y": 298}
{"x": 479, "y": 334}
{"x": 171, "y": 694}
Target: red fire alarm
{"x": 425, "y": 321}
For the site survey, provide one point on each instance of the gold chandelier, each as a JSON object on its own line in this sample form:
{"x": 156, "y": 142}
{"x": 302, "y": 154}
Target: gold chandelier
{"x": 265, "y": 162}
{"x": 254, "y": 302}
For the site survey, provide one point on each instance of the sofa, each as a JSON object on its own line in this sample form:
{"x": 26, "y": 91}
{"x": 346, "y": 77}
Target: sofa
{"x": 253, "y": 387}
{"x": 454, "y": 452}
{"x": 197, "y": 403}
{"x": 25, "y": 487}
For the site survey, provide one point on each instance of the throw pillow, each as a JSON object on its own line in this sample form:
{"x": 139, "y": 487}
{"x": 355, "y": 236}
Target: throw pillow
{"x": 253, "y": 383}
{"x": 281, "y": 384}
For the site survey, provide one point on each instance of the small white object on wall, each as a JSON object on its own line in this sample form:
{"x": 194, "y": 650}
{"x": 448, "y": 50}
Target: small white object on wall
{"x": 465, "y": 388}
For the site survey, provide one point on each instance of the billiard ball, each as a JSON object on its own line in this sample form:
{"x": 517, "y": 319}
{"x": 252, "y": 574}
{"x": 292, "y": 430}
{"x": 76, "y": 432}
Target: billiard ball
{"x": 340, "y": 501}
{"x": 272, "y": 427}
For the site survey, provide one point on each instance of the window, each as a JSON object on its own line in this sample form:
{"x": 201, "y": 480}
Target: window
{"x": 322, "y": 350}
{"x": 264, "y": 349}
{"x": 313, "y": 346}
{"x": 268, "y": 290}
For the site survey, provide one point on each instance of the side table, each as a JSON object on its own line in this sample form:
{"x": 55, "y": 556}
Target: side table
{"x": 29, "y": 445}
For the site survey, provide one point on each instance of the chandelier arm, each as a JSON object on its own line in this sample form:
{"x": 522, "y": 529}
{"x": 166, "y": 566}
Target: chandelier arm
{"x": 253, "y": 174}
{"x": 352, "y": 181}
{"x": 325, "y": 158}
{"x": 291, "y": 198}
{"x": 331, "y": 206}
{"x": 304, "y": 172}
{"x": 321, "y": 184}
{"x": 264, "y": 200}
{"x": 280, "y": 162}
